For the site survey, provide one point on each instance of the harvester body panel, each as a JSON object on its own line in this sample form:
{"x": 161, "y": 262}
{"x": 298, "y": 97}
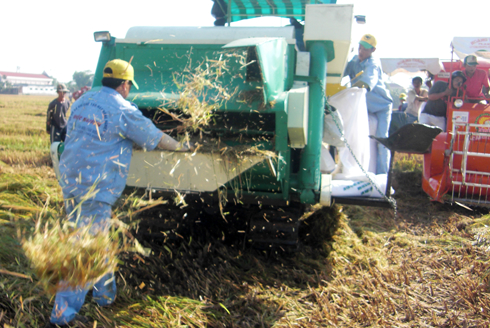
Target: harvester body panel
{"x": 459, "y": 162}
{"x": 272, "y": 116}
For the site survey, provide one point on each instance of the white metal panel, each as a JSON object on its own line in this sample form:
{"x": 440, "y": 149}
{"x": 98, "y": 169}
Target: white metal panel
{"x": 185, "y": 171}
{"x": 331, "y": 23}
{"x": 203, "y": 35}
{"x": 298, "y": 117}
{"x": 326, "y": 190}
{"x": 328, "y": 22}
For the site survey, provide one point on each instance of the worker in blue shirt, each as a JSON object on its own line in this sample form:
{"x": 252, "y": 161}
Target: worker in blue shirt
{"x": 101, "y": 131}
{"x": 378, "y": 98}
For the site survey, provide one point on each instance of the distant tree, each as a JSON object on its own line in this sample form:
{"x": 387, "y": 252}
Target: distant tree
{"x": 83, "y": 79}
{"x": 4, "y": 83}
{"x": 72, "y": 86}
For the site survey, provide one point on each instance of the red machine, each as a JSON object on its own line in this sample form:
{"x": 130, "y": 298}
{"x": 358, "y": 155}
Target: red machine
{"x": 458, "y": 163}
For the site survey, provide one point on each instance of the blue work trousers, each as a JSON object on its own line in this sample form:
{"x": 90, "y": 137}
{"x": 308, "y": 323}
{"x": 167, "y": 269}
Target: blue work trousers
{"x": 69, "y": 302}
{"x": 383, "y": 156}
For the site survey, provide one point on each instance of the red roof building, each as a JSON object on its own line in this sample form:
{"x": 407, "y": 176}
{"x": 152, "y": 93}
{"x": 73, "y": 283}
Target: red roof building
{"x": 25, "y": 78}
{"x": 27, "y": 83}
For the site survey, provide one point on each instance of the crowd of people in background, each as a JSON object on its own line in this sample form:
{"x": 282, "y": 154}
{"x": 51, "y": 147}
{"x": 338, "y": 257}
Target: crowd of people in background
{"x": 429, "y": 107}
{"x": 419, "y": 105}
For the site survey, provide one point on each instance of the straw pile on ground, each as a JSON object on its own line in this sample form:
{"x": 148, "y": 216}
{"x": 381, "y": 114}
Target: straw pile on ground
{"x": 64, "y": 257}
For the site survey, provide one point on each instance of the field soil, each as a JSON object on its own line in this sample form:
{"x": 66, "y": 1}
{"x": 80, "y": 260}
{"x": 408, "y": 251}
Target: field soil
{"x": 425, "y": 266}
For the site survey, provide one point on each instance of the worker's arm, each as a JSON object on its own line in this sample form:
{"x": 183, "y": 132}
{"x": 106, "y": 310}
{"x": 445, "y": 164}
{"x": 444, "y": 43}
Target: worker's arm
{"x": 369, "y": 78}
{"x": 49, "y": 117}
{"x": 421, "y": 98}
{"x": 486, "y": 86}
{"x": 439, "y": 95}
{"x": 439, "y": 90}
{"x": 411, "y": 97}
{"x": 485, "y": 92}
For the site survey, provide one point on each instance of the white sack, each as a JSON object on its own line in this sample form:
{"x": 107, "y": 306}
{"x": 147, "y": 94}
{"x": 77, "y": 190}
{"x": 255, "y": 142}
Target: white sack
{"x": 351, "y": 104}
{"x": 360, "y": 186}
{"x": 333, "y": 128}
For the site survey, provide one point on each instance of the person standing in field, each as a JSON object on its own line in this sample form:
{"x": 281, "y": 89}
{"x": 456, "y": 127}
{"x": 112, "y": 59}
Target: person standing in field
{"x": 101, "y": 130}
{"x": 378, "y": 98}
{"x": 56, "y": 116}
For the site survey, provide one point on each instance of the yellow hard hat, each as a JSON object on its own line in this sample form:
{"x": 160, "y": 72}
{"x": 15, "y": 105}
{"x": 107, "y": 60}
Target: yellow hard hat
{"x": 121, "y": 69}
{"x": 403, "y": 96}
{"x": 368, "y": 41}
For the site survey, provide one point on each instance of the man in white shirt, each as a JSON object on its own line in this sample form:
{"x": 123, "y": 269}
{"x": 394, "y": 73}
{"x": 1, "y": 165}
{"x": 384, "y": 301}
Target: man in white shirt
{"x": 416, "y": 97}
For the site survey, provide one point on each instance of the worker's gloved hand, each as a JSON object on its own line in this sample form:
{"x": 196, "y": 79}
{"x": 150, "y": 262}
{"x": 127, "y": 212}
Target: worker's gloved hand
{"x": 169, "y": 143}
{"x": 188, "y": 146}
{"x": 361, "y": 84}
{"x": 48, "y": 127}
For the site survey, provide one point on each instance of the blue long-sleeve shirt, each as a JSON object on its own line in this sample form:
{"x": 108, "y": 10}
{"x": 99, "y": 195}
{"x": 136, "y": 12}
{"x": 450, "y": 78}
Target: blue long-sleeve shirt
{"x": 378, "y": 98}
{"x": 99, "y": 142}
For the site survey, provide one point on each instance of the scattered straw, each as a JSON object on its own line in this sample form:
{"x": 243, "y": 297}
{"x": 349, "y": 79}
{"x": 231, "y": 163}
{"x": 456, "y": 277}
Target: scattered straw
{"x": 65, "y": 257}
{"x": 201, "y": 93}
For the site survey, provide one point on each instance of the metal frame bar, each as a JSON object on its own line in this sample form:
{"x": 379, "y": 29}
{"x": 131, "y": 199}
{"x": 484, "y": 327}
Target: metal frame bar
{"x": 467, "y": 142}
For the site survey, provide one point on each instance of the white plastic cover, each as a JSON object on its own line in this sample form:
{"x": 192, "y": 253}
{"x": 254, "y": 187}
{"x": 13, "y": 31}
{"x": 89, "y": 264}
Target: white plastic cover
{"x": 391, "y": 66}
{"x": 478, "y": 46}
{"x": 351, "y": 103}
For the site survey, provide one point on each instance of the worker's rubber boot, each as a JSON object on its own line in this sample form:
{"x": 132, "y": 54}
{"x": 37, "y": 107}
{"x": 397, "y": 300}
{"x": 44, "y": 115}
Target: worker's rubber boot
{"x": 104, "y": 292}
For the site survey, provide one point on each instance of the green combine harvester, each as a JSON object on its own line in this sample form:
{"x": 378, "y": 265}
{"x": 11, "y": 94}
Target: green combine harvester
{"x": 262, "y": 143}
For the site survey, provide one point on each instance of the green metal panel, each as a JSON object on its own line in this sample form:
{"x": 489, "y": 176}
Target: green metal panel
{"x": 272, "y": 60}
{"x": 256, "y": 179}
{"x": 309, "y": 173}
{"x": 244, "y": 9}
{"x": 290, "y": 66}
{"x": 271, "y": 55}
{"x": 155, "y": 65}
{"x": 108, "y": 52}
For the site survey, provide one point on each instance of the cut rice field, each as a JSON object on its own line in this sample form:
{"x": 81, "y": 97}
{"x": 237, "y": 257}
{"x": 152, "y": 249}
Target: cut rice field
{"x": 356, "y": 266}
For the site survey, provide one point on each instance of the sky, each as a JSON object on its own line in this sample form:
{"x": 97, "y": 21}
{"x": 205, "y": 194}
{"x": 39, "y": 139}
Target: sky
{"x": 57, "y": 36}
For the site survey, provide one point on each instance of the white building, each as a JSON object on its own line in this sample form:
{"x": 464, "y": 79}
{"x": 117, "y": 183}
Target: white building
{"x": 28, "y": 84}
